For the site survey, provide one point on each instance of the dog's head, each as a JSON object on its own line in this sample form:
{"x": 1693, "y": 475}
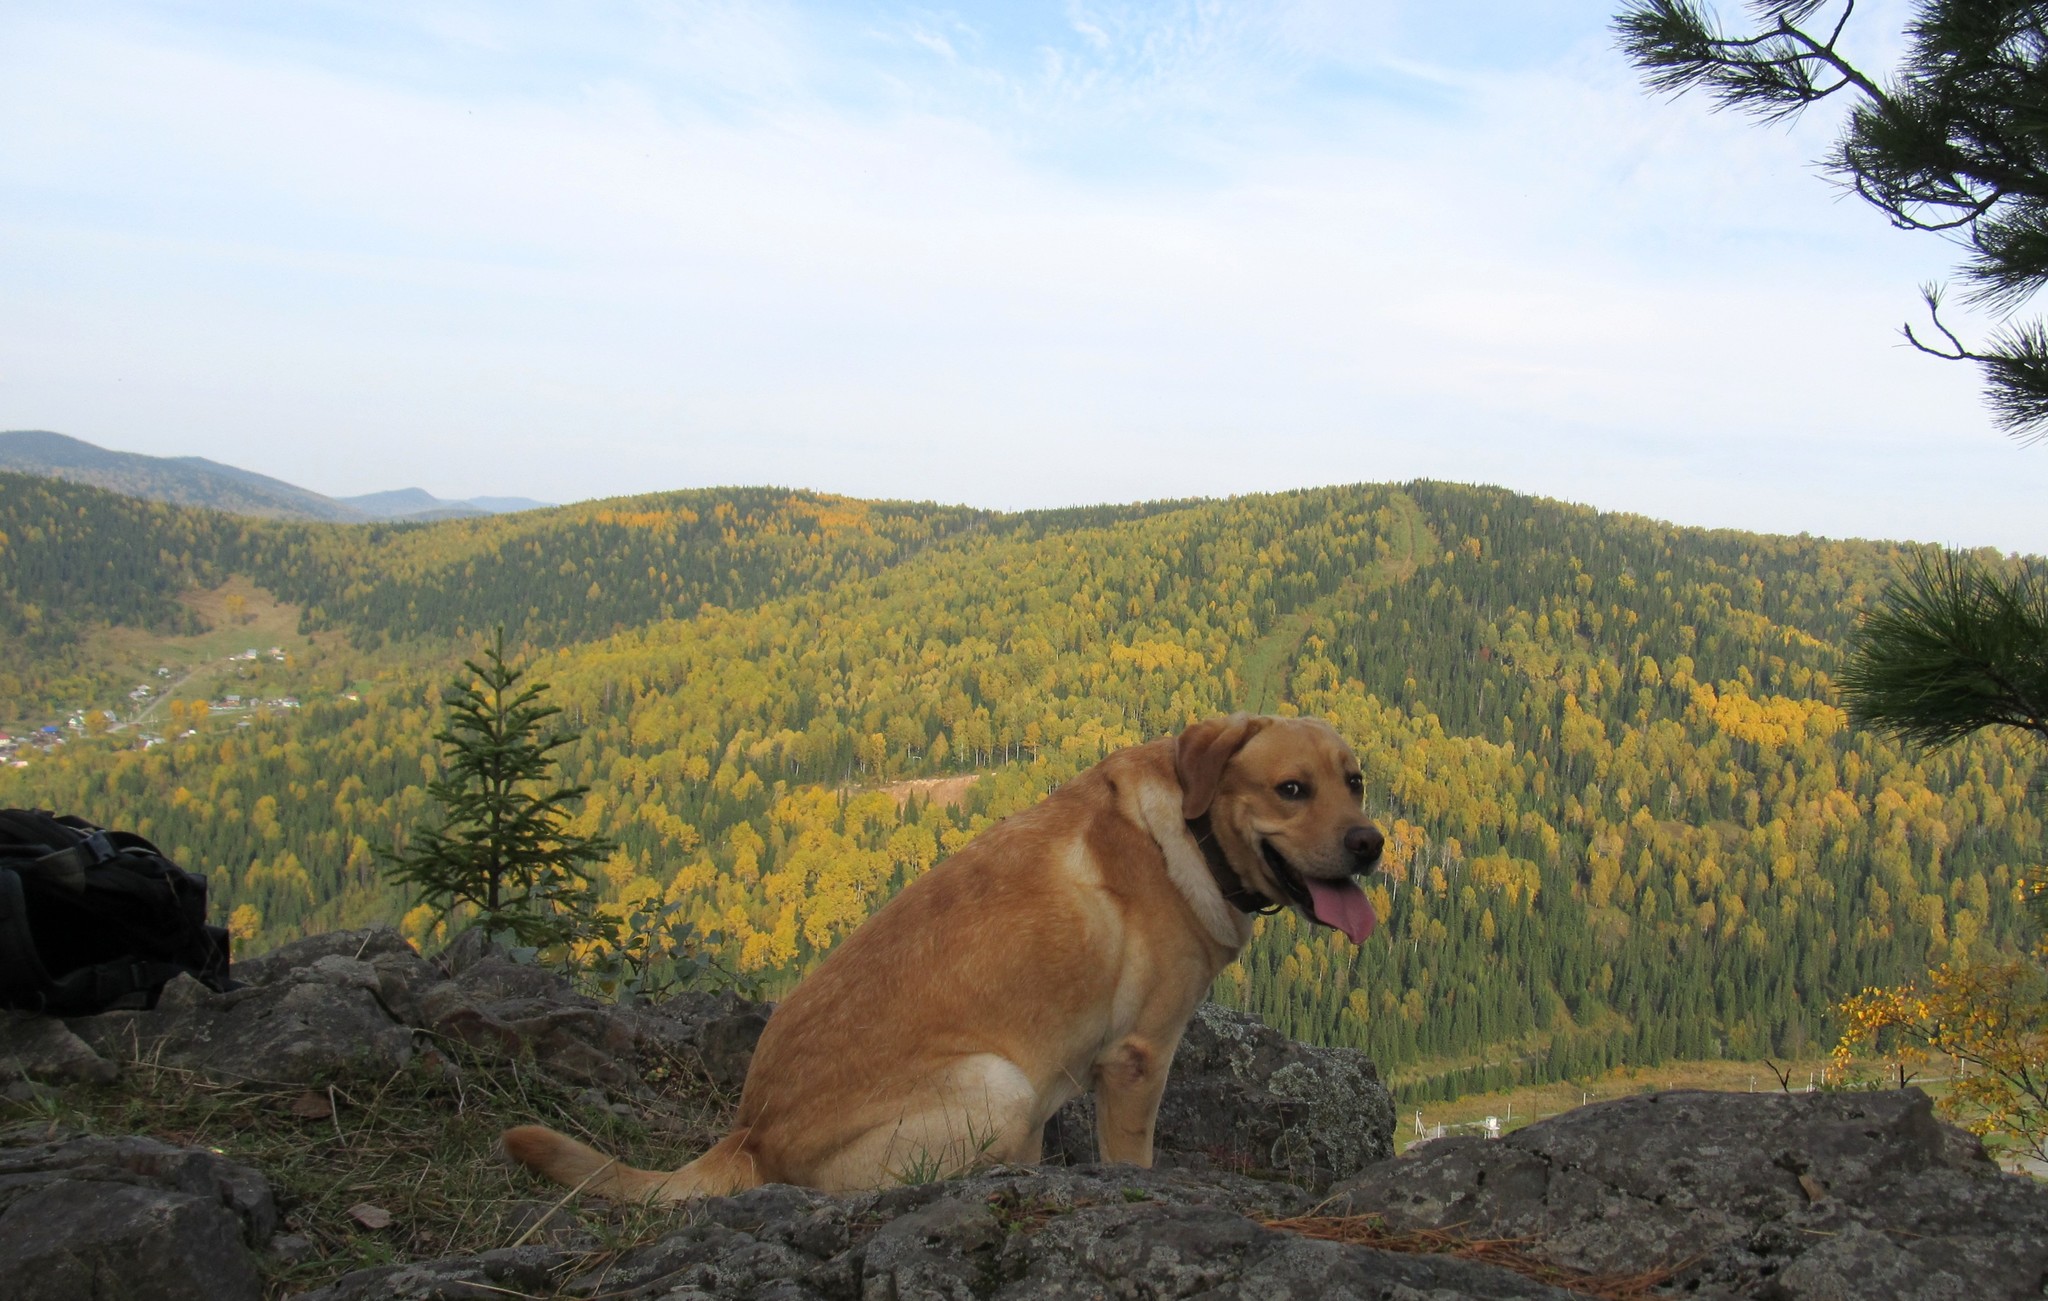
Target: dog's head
{"x": 1283, "y": 797}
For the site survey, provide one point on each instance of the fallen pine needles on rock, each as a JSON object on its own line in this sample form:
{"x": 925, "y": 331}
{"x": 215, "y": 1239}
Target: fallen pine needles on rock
{"x": 1503, "y": 1253}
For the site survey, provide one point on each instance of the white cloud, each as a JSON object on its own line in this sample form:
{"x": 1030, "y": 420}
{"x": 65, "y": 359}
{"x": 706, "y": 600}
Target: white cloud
{"x": 740, "y": 244}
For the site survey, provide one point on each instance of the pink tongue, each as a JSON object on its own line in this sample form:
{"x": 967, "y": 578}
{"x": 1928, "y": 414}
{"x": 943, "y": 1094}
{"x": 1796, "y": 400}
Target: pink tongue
{"x": 1343, "y": 905}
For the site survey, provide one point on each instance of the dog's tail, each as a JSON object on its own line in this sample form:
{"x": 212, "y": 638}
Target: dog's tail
{"x": 726, "y": 1169}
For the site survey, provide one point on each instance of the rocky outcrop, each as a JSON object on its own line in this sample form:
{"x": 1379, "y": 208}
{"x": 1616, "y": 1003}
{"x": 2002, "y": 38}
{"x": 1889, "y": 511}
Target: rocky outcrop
{"x": 1775, "y": 1195}
{"x": 319, "y": 1022}
{"x": 1788, "y": 1197}
{"x": 1018, "y": 1235}
{"x": 115, "y": 1218}
{"x": 364, "y": 1004}
{"x": 1246, "y": 1098}
{"x": 1813, "y": 1197}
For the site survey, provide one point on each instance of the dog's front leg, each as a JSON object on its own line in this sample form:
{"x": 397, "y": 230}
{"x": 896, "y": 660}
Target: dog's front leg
{"x": 1129, "y": 1079}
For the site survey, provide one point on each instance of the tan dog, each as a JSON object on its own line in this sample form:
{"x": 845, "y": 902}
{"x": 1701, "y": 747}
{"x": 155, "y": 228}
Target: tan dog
{"x": 1062, "y": 950}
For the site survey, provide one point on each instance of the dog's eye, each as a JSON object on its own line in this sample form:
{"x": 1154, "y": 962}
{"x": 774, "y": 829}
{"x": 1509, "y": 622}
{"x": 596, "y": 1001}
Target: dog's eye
{"x": 1292, "y": 790}
{"x": 1356, "y": 782}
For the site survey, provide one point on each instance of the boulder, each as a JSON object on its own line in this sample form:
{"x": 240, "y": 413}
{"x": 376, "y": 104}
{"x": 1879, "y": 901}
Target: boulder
{"x": 399, "y": 972}
{"x": 1783, "y": 1195}
{"x": 318, "y": 1022}
{"x": 495, "y": 1004}
{"x": 331, "y": 1005}
{"x": 34, "y": 1047}
{"x": 711, "y": 1034}
{"x": 100, "y": 1219}
{"x": 350, "y": 1003}
{"x": 1244, "y": 1097}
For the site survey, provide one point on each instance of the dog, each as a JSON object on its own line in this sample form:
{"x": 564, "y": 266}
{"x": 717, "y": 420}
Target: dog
{"x": 1060, "y": 951}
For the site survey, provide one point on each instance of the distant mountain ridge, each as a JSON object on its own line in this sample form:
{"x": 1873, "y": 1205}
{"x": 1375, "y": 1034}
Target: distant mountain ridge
{"x": 196, "y": 481}
{"x": 419, "y": 504}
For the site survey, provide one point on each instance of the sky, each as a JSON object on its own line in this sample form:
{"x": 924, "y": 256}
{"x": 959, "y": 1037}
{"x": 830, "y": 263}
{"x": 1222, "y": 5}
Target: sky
{"x": 1006, "y": 254}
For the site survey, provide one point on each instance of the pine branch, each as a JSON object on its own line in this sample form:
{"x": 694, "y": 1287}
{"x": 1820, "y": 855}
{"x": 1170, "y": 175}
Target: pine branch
{"x": 2015, "y": 366}
{"x": 1957, "y": 145}
{"x": 1951, "y": 648}
{"x": 1774, "y": 74}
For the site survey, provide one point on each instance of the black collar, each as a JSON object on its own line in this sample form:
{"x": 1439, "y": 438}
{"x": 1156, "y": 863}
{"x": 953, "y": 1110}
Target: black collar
{"x": 1228, "y": 881}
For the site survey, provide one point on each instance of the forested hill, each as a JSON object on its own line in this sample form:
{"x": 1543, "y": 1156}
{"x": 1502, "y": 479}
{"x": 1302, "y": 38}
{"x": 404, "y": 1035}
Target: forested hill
{"x": 1627, "y": 820}
{"x": 76, "y": 560}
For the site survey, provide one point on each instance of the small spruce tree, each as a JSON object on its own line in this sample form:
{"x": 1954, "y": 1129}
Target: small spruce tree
{"x": 502, "y": 848}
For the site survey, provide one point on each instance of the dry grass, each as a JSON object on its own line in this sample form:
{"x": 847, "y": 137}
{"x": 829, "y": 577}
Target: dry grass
{"x": 238, "y": 615}
{"x": 948, "y": 792}
{"x": 1502, "y": 1253}
{"x": 420, "y": 1146}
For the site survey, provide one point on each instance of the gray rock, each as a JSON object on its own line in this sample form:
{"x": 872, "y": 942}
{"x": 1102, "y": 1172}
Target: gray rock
{"x": 712, "y": 1034}
{"x": 317, "y": 1022}
{"x": 1782, "y": 1195}
{"x": 1244, "y": 1097}
{"x": 469, "y": 947}
{"x": 1017, "y": 1235}
{"x": 98, "y": 1219}
{"x": 494, "y": 1004}
{"x": 349, "y": 1002}
{"x": 38, "y": 1047}
{"x": 29, "y": 1159}
{"x": 377, "y": 945}
{"x": 293, "y": 1248}
{"x": 1184, "y": 1251}
{"x": 529, "y": 1271}
{"x": 501, "y": 983}
{"x": 398, "y": 970}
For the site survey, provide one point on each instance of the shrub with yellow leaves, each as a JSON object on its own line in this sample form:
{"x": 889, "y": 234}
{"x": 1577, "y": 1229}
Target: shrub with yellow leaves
{"x": 1989, "y": 1019}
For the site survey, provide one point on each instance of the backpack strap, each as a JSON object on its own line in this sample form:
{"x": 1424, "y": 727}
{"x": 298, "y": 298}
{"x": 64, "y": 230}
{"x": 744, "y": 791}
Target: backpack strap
{"x": 23, "y": 982}
{"x": 96, "y": 989}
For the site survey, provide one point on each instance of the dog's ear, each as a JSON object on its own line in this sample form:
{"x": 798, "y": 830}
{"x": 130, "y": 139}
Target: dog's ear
{"x": 1203, "y": 752}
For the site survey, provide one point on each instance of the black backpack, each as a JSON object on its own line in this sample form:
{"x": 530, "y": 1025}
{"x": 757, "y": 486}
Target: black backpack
{"x": 93, "y": 919}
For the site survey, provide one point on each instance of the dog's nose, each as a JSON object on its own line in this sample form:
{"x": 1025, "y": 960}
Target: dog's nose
{"x": 1364, "y": 845}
